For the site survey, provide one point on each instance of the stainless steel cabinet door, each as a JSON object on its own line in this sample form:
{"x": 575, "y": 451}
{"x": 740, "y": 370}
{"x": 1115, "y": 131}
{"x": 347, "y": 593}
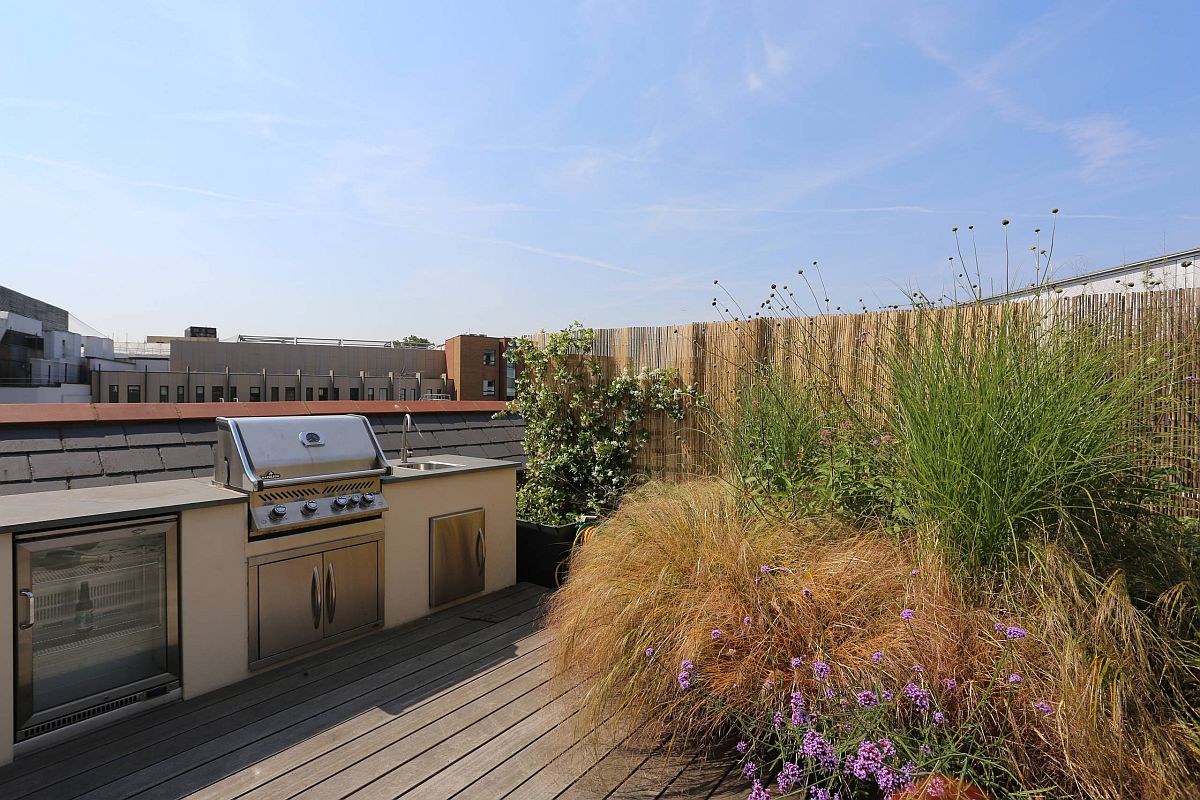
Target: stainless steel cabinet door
{"x": 351, "y": 588}
{"x": 457, "y": 556}
{"x": 291, "y": 598}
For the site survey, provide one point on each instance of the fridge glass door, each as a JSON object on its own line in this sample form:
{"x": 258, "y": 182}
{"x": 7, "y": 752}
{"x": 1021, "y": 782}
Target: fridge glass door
{"x": 96, "y": 616}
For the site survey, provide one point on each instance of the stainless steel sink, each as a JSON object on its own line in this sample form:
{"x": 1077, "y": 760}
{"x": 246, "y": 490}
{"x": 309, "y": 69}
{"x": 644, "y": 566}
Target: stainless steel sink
{"x": 426, "y": 466}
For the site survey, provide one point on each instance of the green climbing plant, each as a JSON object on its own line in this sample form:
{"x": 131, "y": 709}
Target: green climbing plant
{"x": 583, "y": 429}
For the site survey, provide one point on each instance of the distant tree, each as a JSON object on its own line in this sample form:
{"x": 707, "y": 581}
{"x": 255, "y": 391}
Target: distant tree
{"x": 412, "y": 341}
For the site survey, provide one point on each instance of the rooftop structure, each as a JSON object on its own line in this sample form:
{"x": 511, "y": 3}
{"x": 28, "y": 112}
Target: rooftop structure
{"x": 1173, "y": 271}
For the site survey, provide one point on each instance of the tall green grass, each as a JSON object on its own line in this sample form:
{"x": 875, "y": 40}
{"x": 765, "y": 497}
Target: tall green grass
{"x": 1024, "y": 432}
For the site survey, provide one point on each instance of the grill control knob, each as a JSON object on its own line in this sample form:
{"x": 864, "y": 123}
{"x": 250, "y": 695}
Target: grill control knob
{"x": 310, "y": 507}
{"x": 278, "y": 512}
{"x": 341, "y": 501}
{"x": 368, "y": 498}
{"x": 355, "y": 498}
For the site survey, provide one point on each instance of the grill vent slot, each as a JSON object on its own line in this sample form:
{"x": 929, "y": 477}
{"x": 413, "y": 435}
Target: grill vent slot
{"x": 321, "y": 490}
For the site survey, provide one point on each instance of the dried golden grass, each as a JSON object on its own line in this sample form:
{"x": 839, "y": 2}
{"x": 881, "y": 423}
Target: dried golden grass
{"x": 679, "y": 561}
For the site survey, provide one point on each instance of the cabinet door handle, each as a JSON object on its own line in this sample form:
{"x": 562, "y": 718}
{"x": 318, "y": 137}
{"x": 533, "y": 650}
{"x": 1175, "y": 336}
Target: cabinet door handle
{"x": 330, "y": 593}
{"x": 480, "y": 550}
{"x": 28, "y": 596}
{"x": 315, "y": 597}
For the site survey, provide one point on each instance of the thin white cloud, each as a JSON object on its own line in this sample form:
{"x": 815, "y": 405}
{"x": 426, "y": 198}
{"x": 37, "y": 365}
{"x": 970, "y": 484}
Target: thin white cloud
{"x": 169, "y": 187}
{"x": 1099, "y": 141}
{"x": 38, "y": 104}
{"x": 528, "y": 248}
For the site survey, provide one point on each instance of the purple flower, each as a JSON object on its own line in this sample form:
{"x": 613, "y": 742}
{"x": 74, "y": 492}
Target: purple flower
{"x": 796, "y": 662}
{"x": 916, "y": 572}
{"x": 891, "y": 781}
{"x": 939, "y": 718}
{"x": 742, "y": 747}
{"x": 886, "y": 695}
{"x": 798, "y": 714}
{"x": 999, "y": 626}
{"x": 758, "y": 792}
{"x": 747, "y": 620}
{"x": 807, "y": 592}
{"x": 950, "y": 684}
{"x": 769, "y": 684}
{"x": 817, "y": 749}
{"x": 1014, "y": 678}
{"x": 829, "y": 693}
{"x": 919, "y": 696}
{"x": 887, "y": 748}
{"x": 866, "y": 762}
{"x": 1013, "y": 632}
{"x": 917, "y": 668}
{"x": 716, "y": 634}
{"x": 750, "y": 769}
{"x": 907, "y": 614}
{"x": 1044, "y": 707}
{"x": 925, "y": 750}
{"x": 820, "y": 670}
{"x": 649, "y": 652}
{"x": 764, "y": 568}
{"x": 877, "y": 656}
{"x": 778, "y": 719}
{"x": 790, "y": 774}
{"x": 867, "y": 699}
{"x": 685, "y": 675}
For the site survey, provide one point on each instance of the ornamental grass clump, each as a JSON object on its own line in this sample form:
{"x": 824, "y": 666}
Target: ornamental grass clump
{"x": 1028, "y": 428}
{"x": 856, "y": 662}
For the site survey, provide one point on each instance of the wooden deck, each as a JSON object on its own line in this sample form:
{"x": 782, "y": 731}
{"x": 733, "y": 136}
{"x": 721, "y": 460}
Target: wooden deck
{"x": 458, "y": 704}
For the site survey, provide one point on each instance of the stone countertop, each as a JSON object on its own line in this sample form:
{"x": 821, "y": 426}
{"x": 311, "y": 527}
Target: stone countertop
{"x": 461, "y": 464}
{"x": 71, "y": 507}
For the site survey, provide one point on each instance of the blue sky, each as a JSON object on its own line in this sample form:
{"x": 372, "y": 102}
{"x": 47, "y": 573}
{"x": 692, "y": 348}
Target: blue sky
{"x": 372, "y": 170}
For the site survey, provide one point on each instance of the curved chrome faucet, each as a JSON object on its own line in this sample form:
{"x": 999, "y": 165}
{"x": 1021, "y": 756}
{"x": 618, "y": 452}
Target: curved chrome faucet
{"x": 404, "y": 439}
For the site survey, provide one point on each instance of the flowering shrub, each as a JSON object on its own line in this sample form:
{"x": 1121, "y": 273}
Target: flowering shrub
{"x": 851, "y": 663}
{"x": 582, "y": 427}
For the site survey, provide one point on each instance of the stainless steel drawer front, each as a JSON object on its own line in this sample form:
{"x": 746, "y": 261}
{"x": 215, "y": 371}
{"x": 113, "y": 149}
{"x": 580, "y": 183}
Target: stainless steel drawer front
{"x": 457, "y": 556}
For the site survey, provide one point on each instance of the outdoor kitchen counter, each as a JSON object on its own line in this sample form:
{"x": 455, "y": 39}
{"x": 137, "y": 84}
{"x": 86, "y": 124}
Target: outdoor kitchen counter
{"x": 460, "y": 464}
{"x": 70, "y": 507}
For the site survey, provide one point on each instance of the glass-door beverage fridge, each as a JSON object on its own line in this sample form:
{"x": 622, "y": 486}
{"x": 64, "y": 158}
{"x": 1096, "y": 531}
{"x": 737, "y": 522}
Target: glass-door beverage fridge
{"x": 97, "y": 624}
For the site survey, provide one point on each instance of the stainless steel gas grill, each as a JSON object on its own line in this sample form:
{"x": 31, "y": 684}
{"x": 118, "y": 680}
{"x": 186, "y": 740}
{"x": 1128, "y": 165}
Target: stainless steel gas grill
{"x": 301, "y": 472}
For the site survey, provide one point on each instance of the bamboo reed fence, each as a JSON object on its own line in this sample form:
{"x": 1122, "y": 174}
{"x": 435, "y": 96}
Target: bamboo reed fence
{"x": 847, "y": 353}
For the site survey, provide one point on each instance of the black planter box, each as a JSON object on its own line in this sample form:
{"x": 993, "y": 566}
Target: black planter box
{"x": 543, "y": 552}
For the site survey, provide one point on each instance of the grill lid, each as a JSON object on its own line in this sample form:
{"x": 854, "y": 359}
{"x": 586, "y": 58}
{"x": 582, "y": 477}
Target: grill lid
{"x": 254, "y": 453}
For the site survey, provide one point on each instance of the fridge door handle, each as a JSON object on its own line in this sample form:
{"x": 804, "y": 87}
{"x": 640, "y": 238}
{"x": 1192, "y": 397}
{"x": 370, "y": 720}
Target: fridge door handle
{"x": 480, "y": 550}
{"x": 315, "y": 597}
{"x": 28, "y": 596}
{"x": 330, "y": 593}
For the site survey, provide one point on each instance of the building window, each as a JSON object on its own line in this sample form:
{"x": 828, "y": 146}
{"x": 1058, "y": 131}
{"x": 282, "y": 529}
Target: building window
{"x": 383, "y": 394}
{"x": 255, "y": 394}
{"x": 199, "y": 394}
{"x": 289, "y": 393}
{"x": 370, "y": 393}
{"x": 308, "y": 393}
{"x": 275, "y": 394}
{"x": 133, "y": 393}
{"x": 164, "y": 394}
{"x": 510, "y": 380}
{"x": 218, "y": 394}
{"x": 233, "y": 394}
{"x": 323, "y": 393}
{"x": 114, "y": 393}
{"x": 180, "y": 394}
{"x": 337, "y": 393}
{"x": 353, "y": 393}
{"x": 402, "y": 394}
{"x": 489, "y": 388}
{"x": 489, "y": 358}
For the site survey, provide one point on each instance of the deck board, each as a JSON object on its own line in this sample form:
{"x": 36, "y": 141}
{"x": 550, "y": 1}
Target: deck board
{"x": 459, "y": 704}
